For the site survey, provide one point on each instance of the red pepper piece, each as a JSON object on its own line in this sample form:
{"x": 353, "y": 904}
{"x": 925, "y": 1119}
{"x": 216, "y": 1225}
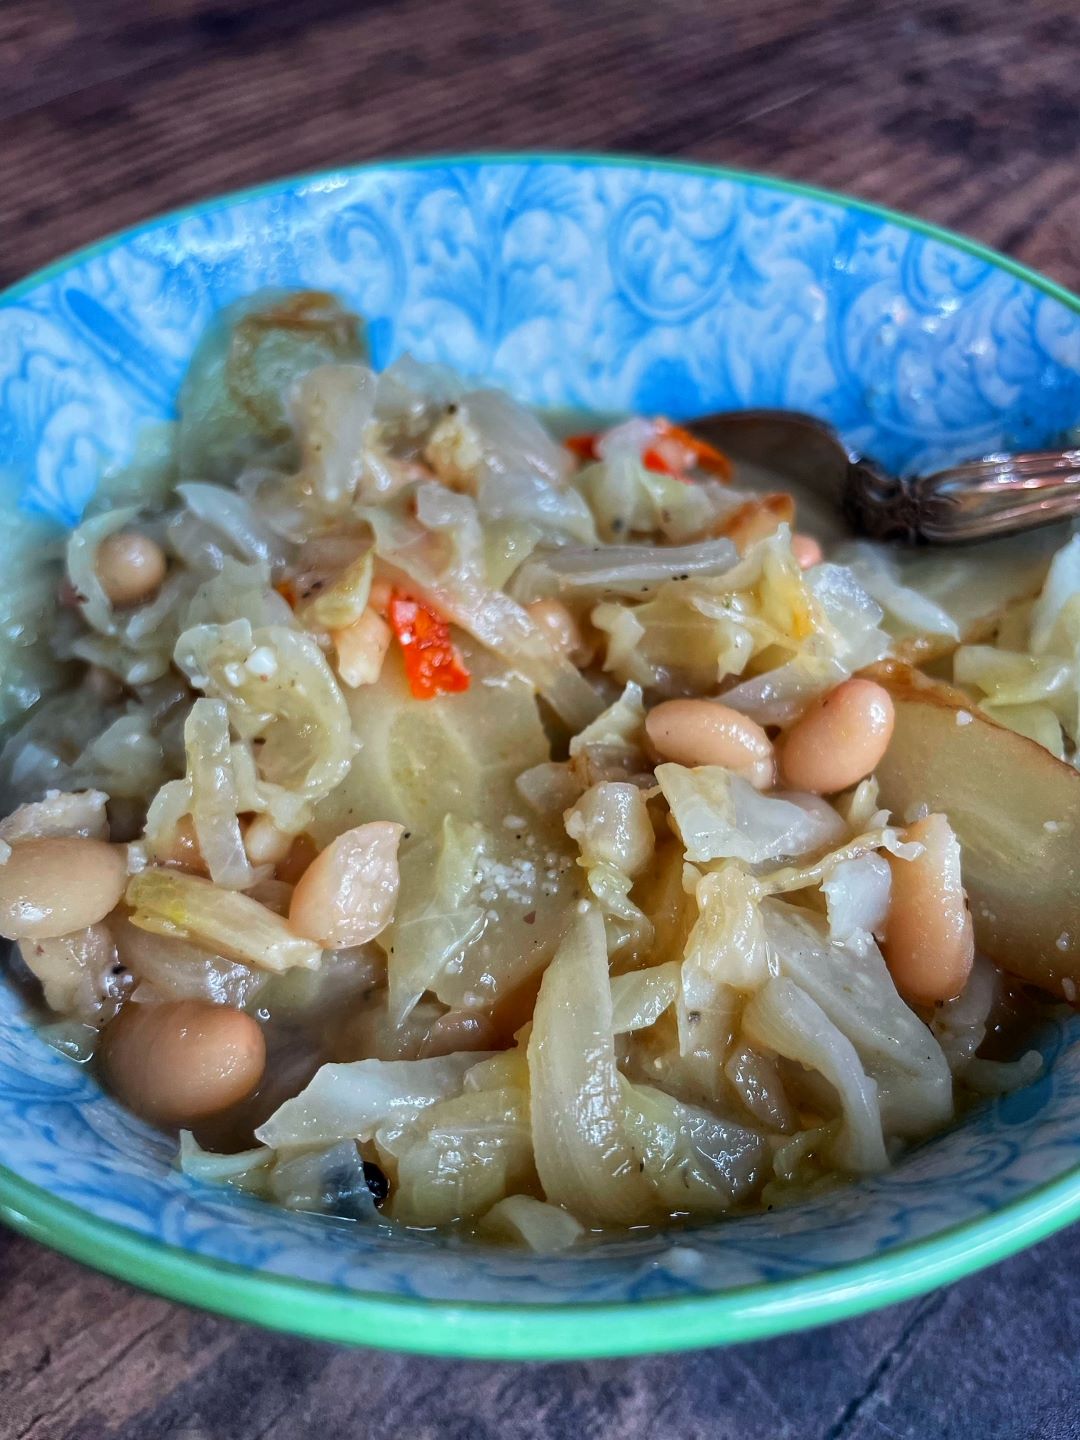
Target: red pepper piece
{"x": 677, "y": 451}
{"x": 432, "y": 663}
{"x": 653, "y": 460}
{"x": 705, "y": 456}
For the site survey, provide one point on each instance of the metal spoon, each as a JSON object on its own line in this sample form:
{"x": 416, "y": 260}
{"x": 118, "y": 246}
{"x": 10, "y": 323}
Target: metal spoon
{"x": 977, "y": 500}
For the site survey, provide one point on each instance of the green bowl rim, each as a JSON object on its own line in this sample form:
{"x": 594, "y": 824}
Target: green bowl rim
{"x": 541, "y": 1331}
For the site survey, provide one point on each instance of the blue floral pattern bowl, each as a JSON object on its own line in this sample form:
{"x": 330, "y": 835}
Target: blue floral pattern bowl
{"x": 608, "y": 285}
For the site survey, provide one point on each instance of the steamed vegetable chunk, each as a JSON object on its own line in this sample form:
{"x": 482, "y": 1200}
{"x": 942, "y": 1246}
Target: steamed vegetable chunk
{"x": 446, "y": 825}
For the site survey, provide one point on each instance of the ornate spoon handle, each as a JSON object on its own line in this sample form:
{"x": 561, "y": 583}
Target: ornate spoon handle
{"x": 978, "y": 500}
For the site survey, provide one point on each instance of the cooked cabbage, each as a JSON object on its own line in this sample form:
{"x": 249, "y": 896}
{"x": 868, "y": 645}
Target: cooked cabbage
{"x": 77, "y": 972}
{"x": 854, "y": 989}
{"x": 844, "y": 635}
{"x": 695, "y": 1162}
{"x": 782, "y": 1018}
{"x": 172, "y": 969}
{"x": 640, "y": 997}
{"x": 458, "y": 1157}
{"x": 540, "y": 1227}
{"x": 452, "y": 577}
{"x": 214, "y": 798}
{"x": 434, "y": 921}
{"x": 323, "y": 1182}
{"x": 186, "y": 907}
{"x": 352, "y": 1102}
{"x": 280, "y": 692}
{"x": 628, "y": 499}
{"x": 80, "y": 812}
{"x": 1028, "y": 679}
{"x": 622, "y": 570}
{"x": 31, "y": 552}
{"x": 608, "y": 988}
{"x": 720, "y": 816}
{"x": 611, "y": 825}
{"x": 517, "y": 472}
{"x": 234, "y": 399}
{"x": 907, "y": 611}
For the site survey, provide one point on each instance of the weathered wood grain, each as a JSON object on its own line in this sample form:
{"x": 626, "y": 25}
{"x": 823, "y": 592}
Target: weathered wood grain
{"x": 84, "y": 1358}
{"x": 965, "y": 111}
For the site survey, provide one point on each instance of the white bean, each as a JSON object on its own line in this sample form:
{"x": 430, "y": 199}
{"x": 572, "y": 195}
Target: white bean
{"x": 182, "y": 849}
{"x": 929, "y": 940}
{"x": 178, "y": 1062}
{"x": 51, "y": 887}
{"x": 361, "y": 649}
{"x": 560, "y": 627}
{"x": 839, "y": 740}
{"x": 130, "y": 567}
{"x": 806, "y": 550}
{"x": 757, "y": 519}
{"x": 264, "y": 842}
{"x": 705, "y": 732}
{"x": 346, "y": 896}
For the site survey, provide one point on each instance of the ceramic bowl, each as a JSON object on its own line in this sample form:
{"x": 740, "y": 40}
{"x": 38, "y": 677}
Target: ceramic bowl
{"x": 611, "y": 285}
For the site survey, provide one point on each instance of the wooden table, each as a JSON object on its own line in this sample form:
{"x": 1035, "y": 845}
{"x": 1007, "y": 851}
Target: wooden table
{"x": 965, "y": 112}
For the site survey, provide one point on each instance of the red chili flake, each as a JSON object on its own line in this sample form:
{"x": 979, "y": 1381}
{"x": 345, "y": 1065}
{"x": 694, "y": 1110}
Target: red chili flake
{"x": 432, "y": 663}
{"x": 583, "y": 446}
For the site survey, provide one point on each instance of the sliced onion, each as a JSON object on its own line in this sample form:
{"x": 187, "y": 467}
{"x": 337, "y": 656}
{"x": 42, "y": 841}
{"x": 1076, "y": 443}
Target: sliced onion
{"x": 186, "y": 907}
{"x": 584, "y": 1154}
{"x": 214, "y": 801}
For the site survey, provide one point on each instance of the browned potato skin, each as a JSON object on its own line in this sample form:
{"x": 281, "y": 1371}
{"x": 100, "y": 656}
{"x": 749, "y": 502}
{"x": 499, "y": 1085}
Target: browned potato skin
{"x": 998, "y": 790}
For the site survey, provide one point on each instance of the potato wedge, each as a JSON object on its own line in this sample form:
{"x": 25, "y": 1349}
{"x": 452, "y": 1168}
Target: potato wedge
{"x": 1016, "y": 811}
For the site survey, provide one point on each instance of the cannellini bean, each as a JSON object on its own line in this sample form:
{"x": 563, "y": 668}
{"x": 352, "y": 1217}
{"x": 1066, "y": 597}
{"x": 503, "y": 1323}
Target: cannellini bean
{"x": 839, "y": 740}
{"x": 705, "y": 732}
{"x": 758, "y": 519}
{"x": 929, "y": 940}
{"x": 611, "y": 825}
{"x": 560, "y": 627}
{"x": 264, "y": 842}
{"x": 182, "y": 850}
{"x": 130, "y": 567}
{"x": 361, "y": 649}
{"x": 347, "y": 894}
{"x": 51, "y": 887}
{"x": 807, "y": 551}
{"x": 179, "y": 1062}
{"x": 380, "y": 596}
